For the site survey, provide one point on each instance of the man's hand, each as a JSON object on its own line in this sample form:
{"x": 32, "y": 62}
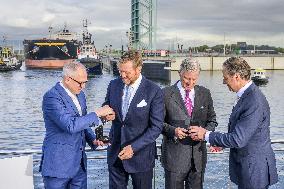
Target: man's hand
{"x": 181, "y": 133}
{"x": 98, "y": 143}
{"x": 126, "y": 153}
{"x": 110, "y": 117}
{"x": 104, "y": 111}
{"x": 197, "y": 133}
{"x": 215, "y": 149}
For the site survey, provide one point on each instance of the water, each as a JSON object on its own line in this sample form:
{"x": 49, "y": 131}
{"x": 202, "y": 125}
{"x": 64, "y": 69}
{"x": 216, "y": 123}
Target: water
{"x": 22, "y": 126}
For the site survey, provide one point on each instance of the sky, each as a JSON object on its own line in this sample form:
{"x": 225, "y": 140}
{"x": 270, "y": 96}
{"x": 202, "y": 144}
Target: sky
{"x": 187, "y": 22}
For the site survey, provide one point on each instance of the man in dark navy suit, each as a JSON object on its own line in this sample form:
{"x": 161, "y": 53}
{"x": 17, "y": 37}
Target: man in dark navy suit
{"x": 67, "y": 124}
{"x": 139, "y": 108}
{"x": 252, "y": 163}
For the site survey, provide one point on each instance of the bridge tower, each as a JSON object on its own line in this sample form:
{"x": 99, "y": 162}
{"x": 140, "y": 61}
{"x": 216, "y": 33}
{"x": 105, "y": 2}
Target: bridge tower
{"x": 143, "y": 24}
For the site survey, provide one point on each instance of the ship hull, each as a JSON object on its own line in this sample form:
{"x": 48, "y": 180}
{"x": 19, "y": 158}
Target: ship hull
{"x": 47, "y": 64}
{"x": 94, "y": 66}
{"x": 50, "y": 54}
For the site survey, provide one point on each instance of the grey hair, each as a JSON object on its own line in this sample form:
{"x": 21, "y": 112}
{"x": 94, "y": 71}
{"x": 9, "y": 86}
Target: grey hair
{"x": 238, "y": 65}
{"x": 71, "y": 68}
{"x": 189, "y": 64}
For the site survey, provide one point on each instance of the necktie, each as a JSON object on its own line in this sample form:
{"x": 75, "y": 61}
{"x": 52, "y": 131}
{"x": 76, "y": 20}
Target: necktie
{"x": 125, "y": 102}
{"x": 188, "y": 102}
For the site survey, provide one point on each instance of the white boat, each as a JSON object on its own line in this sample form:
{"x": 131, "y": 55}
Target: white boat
{"x": 87, "y": 53}
{"x": 259, "y": 76}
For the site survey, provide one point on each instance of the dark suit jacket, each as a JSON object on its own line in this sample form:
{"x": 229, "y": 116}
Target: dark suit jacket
{"x": 176, "y": 155}
{"x": 252, "y": 160}
{"x": 141, "y": 127}
{"x": 66, "y": 133}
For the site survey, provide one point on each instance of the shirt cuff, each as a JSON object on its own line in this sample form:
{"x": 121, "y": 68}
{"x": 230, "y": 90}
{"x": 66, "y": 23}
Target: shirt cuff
{"x": 100, "y": 122}
{"x": 206, "y": 138}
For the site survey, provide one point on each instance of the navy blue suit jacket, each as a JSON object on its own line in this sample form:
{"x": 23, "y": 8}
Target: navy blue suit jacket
{"x": 141, "y": 127}
{"x": 252, "y": 160}
{"x": 66, "y": 133}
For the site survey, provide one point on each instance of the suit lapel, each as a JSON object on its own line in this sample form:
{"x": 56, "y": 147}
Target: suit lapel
{"x": 239, "y": 103}
{"x": 139, "y": 93}
{"x": 82, "y": 103}
{"x": 176, "y": 96}
{"x": 118, "y": 97}
{"x": 197, "y": 100}
{"x": 66, "y": 97}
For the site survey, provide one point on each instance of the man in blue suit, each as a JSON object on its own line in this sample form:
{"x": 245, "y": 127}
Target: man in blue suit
{"x": 252, "y": 163}
{"x": 64, "y": 162}
{"x": 139, "y": 113}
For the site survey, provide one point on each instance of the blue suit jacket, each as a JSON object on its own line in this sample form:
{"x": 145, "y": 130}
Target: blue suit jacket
{"x": 252, "y": 160}
{"x": 66, "y": 133}
{"x": 141, "y": 127}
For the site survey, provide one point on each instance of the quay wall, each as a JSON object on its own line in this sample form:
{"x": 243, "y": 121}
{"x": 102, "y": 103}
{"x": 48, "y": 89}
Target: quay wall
{"x": 215, "y": 63}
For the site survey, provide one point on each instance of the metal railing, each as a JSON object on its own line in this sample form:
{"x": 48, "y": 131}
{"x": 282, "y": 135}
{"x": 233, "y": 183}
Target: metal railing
{"x": 216, "y": 175}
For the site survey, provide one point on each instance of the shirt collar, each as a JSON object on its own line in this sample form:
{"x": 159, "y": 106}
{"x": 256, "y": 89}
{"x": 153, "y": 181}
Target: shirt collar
{"x": 182, "y": 89}
{"x": 68, "y": 91}
{"x": 136, "y": 84}
{"x": 242, "y": 90}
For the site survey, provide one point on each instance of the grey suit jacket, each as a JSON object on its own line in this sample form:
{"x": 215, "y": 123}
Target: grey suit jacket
{"x": 252, "y": 160}
{"x": 176, "y": 154}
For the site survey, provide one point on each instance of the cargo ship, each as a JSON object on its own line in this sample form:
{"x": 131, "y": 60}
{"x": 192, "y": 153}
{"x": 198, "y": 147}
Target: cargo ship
{"x": 53, "y": 52}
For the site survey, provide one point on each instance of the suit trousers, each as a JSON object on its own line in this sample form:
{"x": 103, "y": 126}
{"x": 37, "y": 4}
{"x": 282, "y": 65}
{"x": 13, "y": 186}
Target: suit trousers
{"x": 79, "y": 181}
{"x": 118, "y": 177}
{"x": 190, "y": 180}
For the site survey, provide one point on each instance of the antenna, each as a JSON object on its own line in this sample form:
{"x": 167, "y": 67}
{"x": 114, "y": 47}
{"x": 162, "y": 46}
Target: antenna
{"x": 50, "y": 31}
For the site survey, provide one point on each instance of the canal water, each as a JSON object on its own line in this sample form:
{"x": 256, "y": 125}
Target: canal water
{"x": 21, "y": 122}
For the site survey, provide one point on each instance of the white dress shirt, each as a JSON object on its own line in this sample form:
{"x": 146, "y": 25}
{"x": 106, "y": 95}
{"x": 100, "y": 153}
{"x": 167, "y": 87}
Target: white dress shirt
{"x": 182, "y": 92}
{"x": 133, "y": 88}
{"x": 73, "y": 97}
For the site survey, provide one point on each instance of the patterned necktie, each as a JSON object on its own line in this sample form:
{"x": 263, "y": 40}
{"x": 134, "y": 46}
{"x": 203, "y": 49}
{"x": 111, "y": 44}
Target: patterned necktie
{"x": 125, "y": 102}
{"x": 188, "y": 102}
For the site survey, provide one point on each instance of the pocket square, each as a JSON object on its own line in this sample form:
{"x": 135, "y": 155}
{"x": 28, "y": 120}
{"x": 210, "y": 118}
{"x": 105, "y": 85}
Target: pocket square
{"x": 142, "y": 104}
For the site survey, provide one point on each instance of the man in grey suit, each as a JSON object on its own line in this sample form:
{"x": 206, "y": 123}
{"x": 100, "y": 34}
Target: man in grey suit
{"x": 186, "y": 104}
{"x": 252, "y": 162}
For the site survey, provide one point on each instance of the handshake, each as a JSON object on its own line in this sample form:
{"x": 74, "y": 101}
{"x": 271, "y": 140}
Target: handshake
{"x": 194, "y": 132}
{"x": 106, "y": 113}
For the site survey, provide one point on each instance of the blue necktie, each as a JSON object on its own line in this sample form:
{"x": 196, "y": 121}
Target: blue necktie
{"x": 125, "y": 102}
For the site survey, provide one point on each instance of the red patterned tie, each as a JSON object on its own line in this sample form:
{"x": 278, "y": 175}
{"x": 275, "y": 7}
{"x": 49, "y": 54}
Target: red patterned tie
{"x": 188, "y": 102}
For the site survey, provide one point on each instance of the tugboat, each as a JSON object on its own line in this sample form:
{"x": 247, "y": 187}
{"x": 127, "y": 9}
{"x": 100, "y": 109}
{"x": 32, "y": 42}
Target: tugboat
{"x": 8, "y": 61}
{"x": 259, "y": 77}
{"x": 52, "y": 53}
{"x": 87, "y": 53}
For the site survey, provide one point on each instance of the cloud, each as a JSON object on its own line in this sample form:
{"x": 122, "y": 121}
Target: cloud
{"x": 190, "y": 22}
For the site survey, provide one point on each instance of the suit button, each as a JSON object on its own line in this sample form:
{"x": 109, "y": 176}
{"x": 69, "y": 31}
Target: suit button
{"x": 81, "y": 148}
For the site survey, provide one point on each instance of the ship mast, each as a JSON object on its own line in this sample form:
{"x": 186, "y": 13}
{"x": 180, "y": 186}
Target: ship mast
{"x": 87, "y": 37}
{"x": 50, "y": 31}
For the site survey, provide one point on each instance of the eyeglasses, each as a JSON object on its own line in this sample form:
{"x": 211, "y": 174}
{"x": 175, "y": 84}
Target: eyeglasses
{"x": 80, "y": 83}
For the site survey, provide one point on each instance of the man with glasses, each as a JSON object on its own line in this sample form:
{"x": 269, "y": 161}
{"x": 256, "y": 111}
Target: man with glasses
{"x": 139, "y": 114}
{"x": 67, "y": 124}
